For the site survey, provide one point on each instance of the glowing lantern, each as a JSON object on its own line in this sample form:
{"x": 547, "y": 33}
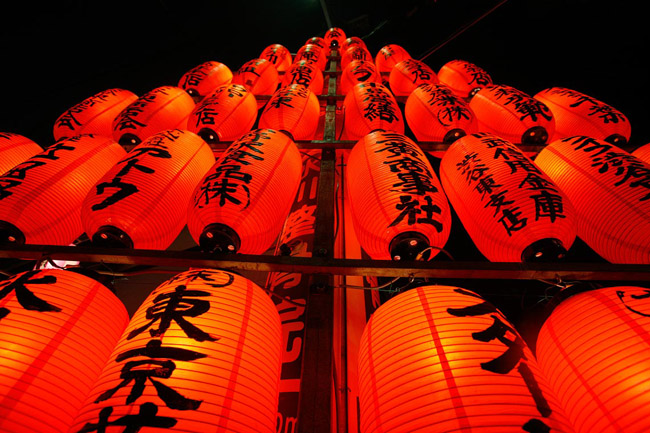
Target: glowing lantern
{"x": 202, "y": 353}
{"x": 312, "y": 53}
{"x": 57, "y": 331}
{"x": 40, "y": 199}
{"x": 94, "y": 115}
{"x": 397, "y": 204}
{"x": 204, "y": 79}
{"x": 434, "y": 113}
{"x": 141, "y": 202}
{"x": 368, "y": 107}
{"x": 316, "y": 40}
{"x": 464, "y": 78}
{"x": 14, "y": 149}
{"x": 442, "y": 359}
{"x": 578, "y": 114}
{"x": 512, "y": 210}
{"x": 165, "y": 107}
{"x": 358, "y": 71}
{"x": 293, "y": 109}
{"x": 355, "y": 52}
{"x": 225, "y": 115}
{"x": 512, "y": 115}
{"x": 304, "y": 73}
{"x": 608, "y": 188}
{"x": 389, "y": 56}
{"x": 409, "y": 74}
{"x": 643, "y": 153}
{"x": 279, "y": 55}
{"x": 241, "y": 204}
{"x": 595, "y": 352}
{"x": 334, "y": 37}
{"x": 352, "y": 40}
{"x": 259, "y": 76}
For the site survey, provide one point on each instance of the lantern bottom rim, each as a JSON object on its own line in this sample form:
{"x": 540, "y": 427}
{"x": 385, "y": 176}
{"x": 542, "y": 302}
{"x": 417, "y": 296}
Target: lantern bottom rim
{"x": 544, "y": 250}
{"x": 219, "y": 238}
{"x": 10, "y": 234}
{"x": 111, "y": 237}
{"x": 408, "y": 245}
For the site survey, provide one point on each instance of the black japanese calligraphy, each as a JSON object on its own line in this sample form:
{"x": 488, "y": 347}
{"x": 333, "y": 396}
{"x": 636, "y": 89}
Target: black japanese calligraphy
{"x": 24, "y": 296}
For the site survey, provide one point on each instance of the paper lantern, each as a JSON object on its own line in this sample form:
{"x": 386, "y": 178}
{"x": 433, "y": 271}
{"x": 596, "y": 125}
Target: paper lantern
{"x": 204, "y": 79}
{"x": 304, "y": 73}
{"x": 442, "y": 359}
{"x": 57, "y": 330}
{"x": 162, "y": 108}
{"x": 141, "y": 202}
{"x": 388, "y": 56}
{"x": 358, "y": 71}
{"x": 434, "y": 113}
{"x": 241, "y": 204}
{"x": 578, "y": 114}
{"x": 259, "y": 76}
{"x": 355, "y": 52}
{"x": 293, "y": 110}
{"x": 225, "y": 115}
{"x": 368, "y": 107}
{"x": 397, "y": 204}
{"x": 202, "y": 353}
{"x": 352, "y": 40}
{"x": 512, "y": 115}
{"x": 279, "y": 55}
{"x": 409, "y": 74}
{"x": 594, "y": 350}
{"x": 610, "y": 191}
{"x": 94, "y": 115}
{"x": 464, "y": 78}
{"x": 14, "y": 149}
{"x": 334, "y": 37}
{"x": 40, "y": 199}
{"x": 643, "y": 153}
{"x": 316, "y": 40}
{"x": 314, "y": 54}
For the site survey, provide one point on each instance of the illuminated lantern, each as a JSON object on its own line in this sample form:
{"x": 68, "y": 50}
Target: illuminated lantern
{"x": 442, "y": 359}
{"x": 279, "y": 55}
{"x": 434, "y": 113}
{"x": 358, "y": 71}
{"x": 294, "y": 110}
{"x": 165, "y": 107}
{"x": 316, "y": 40}
{"x": 355, "y": 52}
{"x": 409, "y": 74}
{"x": 204, "y": 79}
{"x": 241, "y": 204}
{"x": 512, "y": 210}
{"x": 202, "y": 353}
{"x": 389, "y": 56}
{"x": 305, "y": 73}
{"x": 512, "y": 115}
{"x": 225, "y": 115}
{"x": 334, "y": 37}
{"x": 94, "y": 115}
{"x": 57, "y": 331}
{"x": 312, "y": 53}
{"x": 643, "y": 153}
{"x": 14, "y": 149}
{"x": 40, "y": 199}
{"x": 464, "y": 78}
{"x": 608, "y": 188}
{"x": 259, "y": 76}
{"x": 141, "y": 202}
{"x": 397, "y": 204}
{"x": 595, "y": 352}
{"x": 370, "y": 106}
{"x": 578, "y": 114}
{"x": 353, "y": 40}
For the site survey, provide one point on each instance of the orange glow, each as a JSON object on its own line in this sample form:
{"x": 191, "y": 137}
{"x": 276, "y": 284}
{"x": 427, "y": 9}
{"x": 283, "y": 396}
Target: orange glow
{"x": 334, "y": 34}
{"x": 358, "y": 71}
{"x": 279, "y": 55}
{"x": 259, "y": 76}
{"x": 352, "y": 40}
{"x": 355, "y": 52}
{"x": 643, "y": 153}
{"x": 204, "y": 79}
{"x": 293, "y": 109}
{"x": 388, "y": 56}
{"x": 464, "y": 78}
{"x": 409, "y": 74}
{"x": 14, "y": 149}
{"x": 370, "y": 106}
{"x": 305, "y": 73}
{"x": 314, "y": 54}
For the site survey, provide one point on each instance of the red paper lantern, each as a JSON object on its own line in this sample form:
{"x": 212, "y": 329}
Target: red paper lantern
{"x": 241, "y": 204}
{"x": 368, "y": 107}
{"x": 512, "y": 115}
{"x": 609, "y": 189}
{"x": 259, "y": 76}
{"x": 141, "y": 202}
{"x": 334, "y": 37}
{"x": 165, "y": 107}
{"x": 294, "y": 110}
{"x": 397, "y": 204}
{"x": 14, "y": 149}
{"x": 279, "y": 55}
{"x": 316, "y": 40}
{"x": 409, "y": 74}
{"x": 204, "y": 79}
{"x": 464, "y": 78}
{"x": 40, "y": 199}
{"x": 358, "y": 71}
{"x": 355, "y": 52}
{"x": 388, "y": 56}
{"x": 434, "y": 113}
{"x": 202, "y": 353}
{"x": 57, "y": 330}
{"x": 578, "y": 114}
{"x": 313, "y": 54}
{"x": 94, "y": 115}
{"x": 643, "y": 153}
{"x": 304, "y": 73}
{"x": 595, "y": 351}
{"x": 442, "y": 359}
{"x": 352, "y": 40}
{"x": 225, "y": 115}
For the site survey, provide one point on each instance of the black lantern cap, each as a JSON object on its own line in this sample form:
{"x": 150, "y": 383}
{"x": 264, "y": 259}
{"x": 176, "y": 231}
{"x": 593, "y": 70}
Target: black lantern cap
{"x": 10, "y": 234}
{"x": 407, "y": 245}
{"x": 219, "y": 238}
{"x": 111, "y": 237}
{"x": 544, "y": 250}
